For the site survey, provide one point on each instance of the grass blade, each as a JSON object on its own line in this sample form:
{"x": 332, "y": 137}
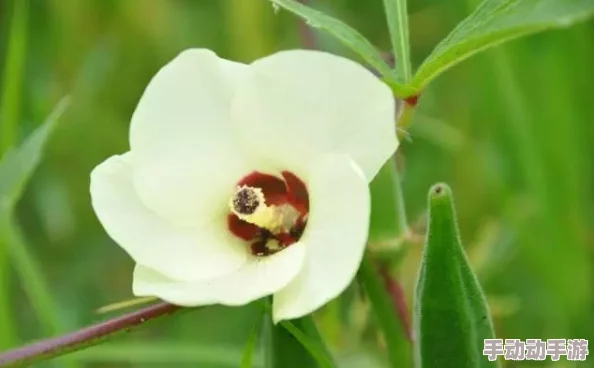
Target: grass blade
{"x": 304, "y": 332}
{"x": 9, "y": 109}
{"x": 13, "y": 75}
{"x": 247, "y": 360}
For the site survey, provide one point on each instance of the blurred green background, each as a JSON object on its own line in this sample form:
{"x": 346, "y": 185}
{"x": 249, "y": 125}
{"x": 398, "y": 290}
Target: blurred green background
{"x": 511, "y": 130}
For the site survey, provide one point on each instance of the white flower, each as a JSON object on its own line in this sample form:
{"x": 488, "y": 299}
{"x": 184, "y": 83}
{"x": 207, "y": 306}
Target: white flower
{"x": 244, "y": 181}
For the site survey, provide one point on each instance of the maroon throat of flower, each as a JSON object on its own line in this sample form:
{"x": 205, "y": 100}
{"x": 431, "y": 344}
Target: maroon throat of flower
{"x": 269, "y": 212}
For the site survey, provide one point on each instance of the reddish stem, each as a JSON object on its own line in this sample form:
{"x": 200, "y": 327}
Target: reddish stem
{"x": 397, "y": 293}
{"x": 85, "y": 337}
{"x": 412, "y": 100}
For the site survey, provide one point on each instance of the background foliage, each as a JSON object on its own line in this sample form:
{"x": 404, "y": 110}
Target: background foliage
{"x": 510, "y": 130}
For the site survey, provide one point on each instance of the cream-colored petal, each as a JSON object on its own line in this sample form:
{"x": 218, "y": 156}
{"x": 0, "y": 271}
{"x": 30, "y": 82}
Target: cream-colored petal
{"x": 186, "y": 191}
{"x": 335, "y": 237}
{"x": 257, "y": 278}
{"x": 185, "y": 253}
{"x": 186, "y": 105}
{"x": 186, "y": 156}
{"x": 295, "y": 106}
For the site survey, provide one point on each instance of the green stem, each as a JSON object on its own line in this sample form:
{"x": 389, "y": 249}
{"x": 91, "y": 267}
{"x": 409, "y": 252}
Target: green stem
{"x": 9, "y": 108}
{"x": 397, "y": 17}
{"x": 385, "y": 294}
{"x": 7, "y": 333}
{"x": 13, "y": 75}
{"x": 407, "y": 111}
{"x": 394, "y": 328}
{"x": 267, "y": 341}
{"x": 86, "y": 337}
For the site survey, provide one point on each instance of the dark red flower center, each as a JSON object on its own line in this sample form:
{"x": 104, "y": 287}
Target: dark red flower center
{"x": 269, "y": 212}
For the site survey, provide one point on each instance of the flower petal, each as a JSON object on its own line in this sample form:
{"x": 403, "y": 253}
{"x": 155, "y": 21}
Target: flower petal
{"x": 183, "y": 253}
{"x": 181, "y": 124}
{"x": 302, "y": 104}
{"x": 187, "y": 102}
{"x": 335, "y": 237}
{"x": 259, "y": 277}
{"x": 187, "y": 191}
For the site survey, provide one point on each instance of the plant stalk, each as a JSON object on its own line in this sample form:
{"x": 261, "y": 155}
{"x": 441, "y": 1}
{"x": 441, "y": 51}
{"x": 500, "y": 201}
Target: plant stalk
{"x": 13, "y": 75}
{"x": 85, "y": 337}
{"x": 10, "y": 95}
{"x": 407, "y": 111}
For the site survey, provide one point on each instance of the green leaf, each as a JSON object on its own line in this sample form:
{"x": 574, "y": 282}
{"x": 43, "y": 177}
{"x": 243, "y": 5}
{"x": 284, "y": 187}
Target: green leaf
{"x": 451, "y": 315}
{"x": 385, "y": 311}
{"x": 125, "y": 304}
{"x": 31, "y": 279}
{"x": 247, "y": 361}
{"x": 17, "y": 165}
{"x": 397, "y": 17}
{"x": 297, "y": 343}
{"x": 388, "y": 218}
{"x": 497, "y": 21}
{"x": 349, "y": 37}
